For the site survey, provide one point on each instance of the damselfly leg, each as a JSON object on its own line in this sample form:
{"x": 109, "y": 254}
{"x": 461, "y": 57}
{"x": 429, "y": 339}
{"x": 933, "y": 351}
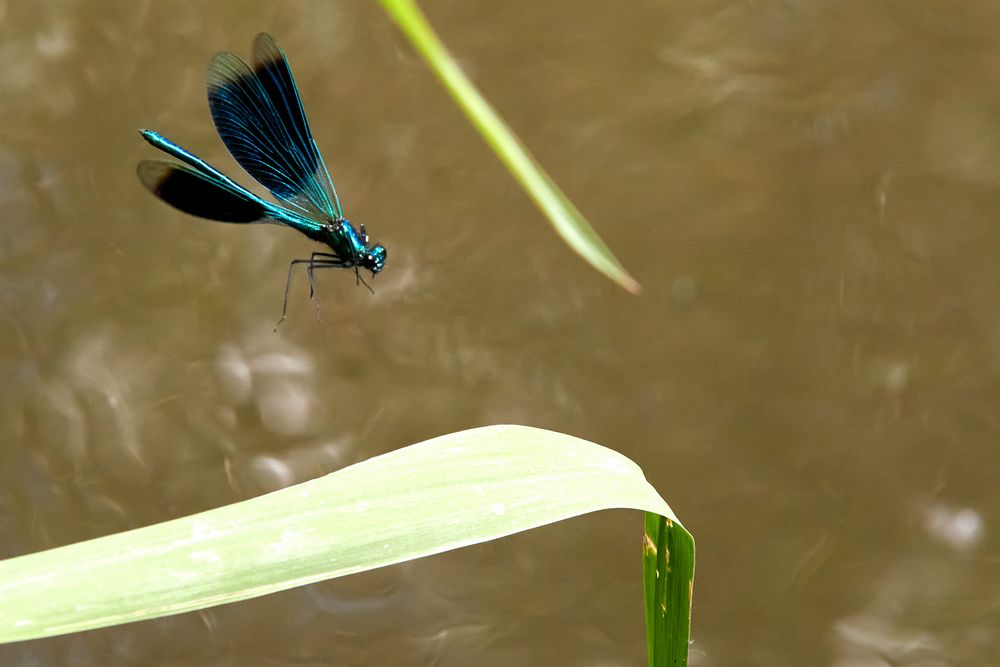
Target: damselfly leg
{"x": 318, "y": 260}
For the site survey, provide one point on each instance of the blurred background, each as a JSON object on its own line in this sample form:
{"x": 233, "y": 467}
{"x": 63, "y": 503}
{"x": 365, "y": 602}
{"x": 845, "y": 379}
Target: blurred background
{"x": 808, "y": 191}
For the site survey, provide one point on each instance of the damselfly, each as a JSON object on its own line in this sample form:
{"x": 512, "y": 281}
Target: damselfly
{"x": 258, "y": 114}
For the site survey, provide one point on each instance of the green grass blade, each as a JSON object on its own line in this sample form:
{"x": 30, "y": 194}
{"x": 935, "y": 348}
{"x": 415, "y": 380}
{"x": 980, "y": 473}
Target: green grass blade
{"x": 568, "y": 222}
{"x": 452, "y": 491}
{"x": 668, "y": 578}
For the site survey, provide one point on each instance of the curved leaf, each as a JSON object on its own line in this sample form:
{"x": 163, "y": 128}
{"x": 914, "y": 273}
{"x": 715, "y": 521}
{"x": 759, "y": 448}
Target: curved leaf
{"x": 452, "y": 491}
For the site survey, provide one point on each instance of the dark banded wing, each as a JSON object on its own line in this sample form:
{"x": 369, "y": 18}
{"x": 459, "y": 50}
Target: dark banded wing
{"x": 199, "y": 188}
{"x": 258, "y": 114}
{"x": 193, "y": 192}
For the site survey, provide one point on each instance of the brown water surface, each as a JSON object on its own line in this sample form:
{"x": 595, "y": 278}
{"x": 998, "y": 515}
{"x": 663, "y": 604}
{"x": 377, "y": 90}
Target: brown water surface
{"x": 808, "y": 191}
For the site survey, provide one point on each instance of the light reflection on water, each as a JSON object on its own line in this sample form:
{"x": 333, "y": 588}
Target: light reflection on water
{"x": 807, "y": 191}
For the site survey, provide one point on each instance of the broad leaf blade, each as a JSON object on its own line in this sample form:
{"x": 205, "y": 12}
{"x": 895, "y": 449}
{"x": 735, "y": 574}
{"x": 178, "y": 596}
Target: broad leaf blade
{"x": 434, "y": 496}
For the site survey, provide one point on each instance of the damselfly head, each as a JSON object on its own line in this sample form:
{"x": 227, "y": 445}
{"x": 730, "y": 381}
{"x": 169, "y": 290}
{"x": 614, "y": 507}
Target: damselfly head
{"x": 374, "y": 259}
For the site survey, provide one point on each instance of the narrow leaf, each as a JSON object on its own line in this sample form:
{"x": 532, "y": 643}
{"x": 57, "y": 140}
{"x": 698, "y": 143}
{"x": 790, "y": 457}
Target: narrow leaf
{"x": 668, "y": 575}
{"x": 568, "y": 222}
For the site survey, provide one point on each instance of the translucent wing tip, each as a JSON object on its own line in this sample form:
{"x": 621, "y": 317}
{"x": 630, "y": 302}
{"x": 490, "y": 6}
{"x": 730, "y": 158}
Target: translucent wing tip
{"x": 264, "y": 41}
{"x": 224, "y": 69}
{"x": 151, "y": 173}
{"x": 266, "y": 52}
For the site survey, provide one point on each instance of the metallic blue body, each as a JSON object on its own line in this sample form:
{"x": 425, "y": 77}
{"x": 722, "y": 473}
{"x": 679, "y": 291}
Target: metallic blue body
{"x": 259, "y": 116}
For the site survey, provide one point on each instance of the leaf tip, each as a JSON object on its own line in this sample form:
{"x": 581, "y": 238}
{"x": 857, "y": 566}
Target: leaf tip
{"x": 630, "y": 284}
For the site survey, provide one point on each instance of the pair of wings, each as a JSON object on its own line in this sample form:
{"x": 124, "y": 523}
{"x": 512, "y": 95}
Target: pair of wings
{"x": 259, "y": 116}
